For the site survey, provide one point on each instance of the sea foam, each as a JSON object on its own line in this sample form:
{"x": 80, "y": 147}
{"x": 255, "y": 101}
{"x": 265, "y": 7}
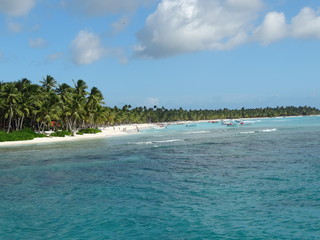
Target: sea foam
{"x": 249, "y": 132}
{"x": 269, "y": 130}
{"x": 161, "y": 141}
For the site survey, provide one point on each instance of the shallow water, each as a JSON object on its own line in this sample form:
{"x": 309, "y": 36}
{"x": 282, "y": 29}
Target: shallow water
{"x": 258, "y": 181}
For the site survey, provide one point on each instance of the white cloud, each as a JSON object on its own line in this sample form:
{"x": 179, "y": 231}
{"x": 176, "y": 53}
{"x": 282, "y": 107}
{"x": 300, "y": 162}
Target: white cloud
{"x": 86, "y": 48}
{"x": 182, "y": 26}
{"x": 273, "y": 28}
{"x": 306, "y": 24}
{"x": 102, "y": 7}
{"x": 37, "y": 42}
{"x": 245, "y": 4}
{"x": 16, "y": 8}
{"x": 179, "y": 26}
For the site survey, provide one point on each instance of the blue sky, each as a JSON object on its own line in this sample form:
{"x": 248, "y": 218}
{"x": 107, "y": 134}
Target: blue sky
{"x": 172, "y": 53}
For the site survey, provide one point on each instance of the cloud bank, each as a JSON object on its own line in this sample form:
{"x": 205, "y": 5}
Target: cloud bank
{"x": 179, "y": 26}
{"x": 16, "y": 8}
{"x": 306, "y": 25}
{"x": 182, "y": 26}
{"x": 272, "y": 29}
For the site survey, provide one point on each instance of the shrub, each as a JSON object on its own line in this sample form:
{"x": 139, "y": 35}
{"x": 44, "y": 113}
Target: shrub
{"x": 40, "y": 135}
{"x": 28, "y": 130}
{"x": 16, "y": 136}
{"x": 61, "y": 134}
{"x": 2, "y": 136}
{"x": 21, "y": 135}
{"x": 89, "y": 130}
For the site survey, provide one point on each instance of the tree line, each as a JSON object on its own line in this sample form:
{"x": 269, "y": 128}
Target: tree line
{"x": 53, "y": 106}
{"x": 126, "y": 114}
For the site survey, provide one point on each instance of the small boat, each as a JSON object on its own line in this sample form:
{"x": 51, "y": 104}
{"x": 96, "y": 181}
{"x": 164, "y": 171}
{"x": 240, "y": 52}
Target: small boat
{"x": 226, "y": 122}
{"x": 232, "y": 124}
{"x": 241, "y": 122}
{"x": 248, "y": 122}
{"x": 214, "y": 121}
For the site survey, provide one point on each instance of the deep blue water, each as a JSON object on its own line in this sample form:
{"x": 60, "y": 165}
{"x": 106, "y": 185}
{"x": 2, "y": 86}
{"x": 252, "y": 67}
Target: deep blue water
{"x": 259, "y": 181}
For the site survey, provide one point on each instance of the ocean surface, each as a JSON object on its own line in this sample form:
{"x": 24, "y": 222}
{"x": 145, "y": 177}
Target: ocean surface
{"x": 259, "y": 180}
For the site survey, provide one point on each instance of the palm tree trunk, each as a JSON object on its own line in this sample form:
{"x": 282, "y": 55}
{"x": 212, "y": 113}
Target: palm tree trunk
{"x": 44, "y": 126}
{"x": 21, "y": 122}
{"x": 74, "y": 124}
{"x": 69, "y": 126}
{"x": 10, "y": 119}
{"x": 9, "y": 123}
{"x": 17, "y": 123}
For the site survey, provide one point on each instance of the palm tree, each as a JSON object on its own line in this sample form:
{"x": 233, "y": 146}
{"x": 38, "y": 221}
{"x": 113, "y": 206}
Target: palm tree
{"x": 65, "y": 93}
{"x": 94, "y": 101}
{"x": 99, "y": 116}
{"x": 80, "y": 87}
{"x": 24, "y": 86}
{"x": 2, "y": 107}
{"x": 48, "y": 83}
{"x": 49, "y": 111}
{"x": 11, "y": 97}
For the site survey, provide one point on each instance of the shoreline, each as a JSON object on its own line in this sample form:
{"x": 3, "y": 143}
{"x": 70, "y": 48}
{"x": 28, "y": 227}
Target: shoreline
{"x": 107, "y": 132}
{"x": 120, "y": 130}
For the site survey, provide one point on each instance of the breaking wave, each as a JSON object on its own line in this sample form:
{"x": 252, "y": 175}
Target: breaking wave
{"x": 197, "y": 132}
{"x": 269, "y": 130}
{"x": 162, "y": 141}
{"x": 249, "y": 132}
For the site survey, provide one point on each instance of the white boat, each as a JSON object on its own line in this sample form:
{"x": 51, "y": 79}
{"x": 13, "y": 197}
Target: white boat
{"x": 230, "y": 123}
{"x": 225, "y": 122}
{"x": 241, "y": 122}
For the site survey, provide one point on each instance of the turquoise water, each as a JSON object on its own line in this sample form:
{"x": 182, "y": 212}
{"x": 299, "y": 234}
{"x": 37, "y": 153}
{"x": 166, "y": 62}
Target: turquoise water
{"x": 258, "y": 181}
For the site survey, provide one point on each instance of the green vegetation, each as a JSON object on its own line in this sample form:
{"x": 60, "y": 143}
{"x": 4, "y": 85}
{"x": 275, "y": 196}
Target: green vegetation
{"x": 50, "y": 106}
{"x": 25, "y": 134}
{"x": 68, "y": 109}
{"x": 88, "y": 131}
{"x": 127, "y": 115}
{"x": 61, "y": 134}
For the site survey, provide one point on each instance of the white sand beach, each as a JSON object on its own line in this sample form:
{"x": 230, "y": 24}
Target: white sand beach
{"x": 106, "y": 132}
